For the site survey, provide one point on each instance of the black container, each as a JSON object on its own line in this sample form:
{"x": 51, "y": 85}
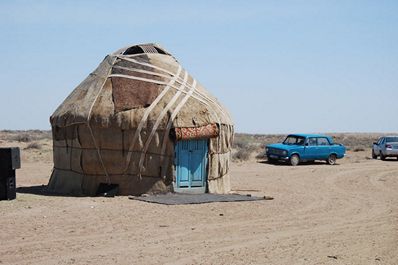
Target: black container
{"x": 9, "y": 162}
{"x": 9, "y": 158}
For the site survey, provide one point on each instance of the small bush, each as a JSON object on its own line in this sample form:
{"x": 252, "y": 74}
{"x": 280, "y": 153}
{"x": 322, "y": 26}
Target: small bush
{"x": 244, "y": 152}
{"x": 260, "y": 155}
{"x": 358, "y": 149}
{"x": 241, "y": 141}
{"x": 26, "y": 138}
{"x": 40, "y": 135}
{"x": 33, "y": 145}
{"x": 242, "y": 155}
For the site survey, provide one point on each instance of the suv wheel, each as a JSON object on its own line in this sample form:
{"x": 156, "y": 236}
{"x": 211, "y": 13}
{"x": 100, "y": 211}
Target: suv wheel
{"x": 294, "y": 160}
{"x": 382, "y": 157}
{"x": 374, "y": 156}
{"x": 332, "y": 159}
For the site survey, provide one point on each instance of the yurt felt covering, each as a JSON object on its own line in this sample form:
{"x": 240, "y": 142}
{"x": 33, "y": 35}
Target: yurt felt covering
{"x": 121, "y": 123}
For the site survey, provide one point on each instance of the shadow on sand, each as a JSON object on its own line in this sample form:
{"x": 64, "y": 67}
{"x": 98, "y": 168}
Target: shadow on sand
{"x": 281, "y": 163}
{"x": 390, "y": 159}
{"x": 43, "y": 191}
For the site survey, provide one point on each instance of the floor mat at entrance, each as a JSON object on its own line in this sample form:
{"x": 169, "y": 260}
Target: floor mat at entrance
{"x": 179, "y": 199}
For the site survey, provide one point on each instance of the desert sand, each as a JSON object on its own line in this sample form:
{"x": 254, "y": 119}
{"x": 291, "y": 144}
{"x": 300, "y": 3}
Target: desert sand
{"x": 321, "y": 214}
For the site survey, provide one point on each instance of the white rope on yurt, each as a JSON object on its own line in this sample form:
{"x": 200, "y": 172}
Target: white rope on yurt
{"x": 163, "y": 70}
{"x": 198, "y": 95}
{"x": 146, "y": 114}
{"x": 90, "y": 129}
{"x": 170, "y": 123}
{"x": 141, "y": 71}
{"x": 165, "y": 76}
{"x": 139, "y": 79}
{"x": 181, "y": 90}
{"x": 216, "y": 103}
{"x": 158, "y": 120}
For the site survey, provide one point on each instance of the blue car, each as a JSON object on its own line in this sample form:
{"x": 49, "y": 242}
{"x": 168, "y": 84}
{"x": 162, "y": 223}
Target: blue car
{"x": 298, "y": 148}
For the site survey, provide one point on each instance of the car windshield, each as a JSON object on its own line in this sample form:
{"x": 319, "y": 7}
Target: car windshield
{"x": 391, "y": 139}
{"x": 292, "y": 139}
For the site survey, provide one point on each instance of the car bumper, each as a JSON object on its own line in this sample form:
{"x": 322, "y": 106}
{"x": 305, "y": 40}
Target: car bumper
{"x": 393, "y": 152}
{"x": 277, "y": 157}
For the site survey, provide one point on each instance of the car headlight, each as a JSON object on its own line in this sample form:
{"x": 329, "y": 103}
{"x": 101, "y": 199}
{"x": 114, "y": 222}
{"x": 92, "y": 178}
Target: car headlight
{"x": 284, "y": 152}
{"x": 266, "y": 149}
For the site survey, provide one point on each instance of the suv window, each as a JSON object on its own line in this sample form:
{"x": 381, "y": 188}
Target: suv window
{"x": 312, "y": 141}
{"x": 323, "y": 141}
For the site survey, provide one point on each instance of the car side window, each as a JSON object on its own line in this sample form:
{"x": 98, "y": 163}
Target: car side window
{"x": 380, "y": 141}
{"x": 323, "y": 141}
{"x": 312, "y": 141}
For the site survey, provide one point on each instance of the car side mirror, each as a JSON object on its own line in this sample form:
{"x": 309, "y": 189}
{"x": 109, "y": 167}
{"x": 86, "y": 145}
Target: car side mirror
{"x": 374, "y": 143}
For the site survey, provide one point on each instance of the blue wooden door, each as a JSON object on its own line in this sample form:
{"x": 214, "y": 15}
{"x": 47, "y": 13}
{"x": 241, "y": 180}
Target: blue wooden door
{"x": 191, "y": 163}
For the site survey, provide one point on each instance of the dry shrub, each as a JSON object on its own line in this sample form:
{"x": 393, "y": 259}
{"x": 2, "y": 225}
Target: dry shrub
{"x": 358, "y": 149}
{"x": 261, "y": 155}
{"x": 40, "y": 135}
{"x": 354, "y": 141}
{"x": 25, "y": 138}
{"x": 241, "y": 141}
{"x": 33, "y": 145}
{"x": 244, "y": 153}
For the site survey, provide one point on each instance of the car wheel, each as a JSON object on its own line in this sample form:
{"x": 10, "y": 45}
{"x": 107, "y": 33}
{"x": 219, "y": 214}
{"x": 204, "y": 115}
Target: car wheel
{"x": 294, "y": 160}
{"x": 374, "y": 156}
{"x": 382, "y": 157}
{"x": 332, "y": 159}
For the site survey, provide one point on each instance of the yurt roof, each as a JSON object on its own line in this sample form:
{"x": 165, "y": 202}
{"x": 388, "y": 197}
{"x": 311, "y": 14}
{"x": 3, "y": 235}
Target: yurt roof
{"x": 140, "y": 81}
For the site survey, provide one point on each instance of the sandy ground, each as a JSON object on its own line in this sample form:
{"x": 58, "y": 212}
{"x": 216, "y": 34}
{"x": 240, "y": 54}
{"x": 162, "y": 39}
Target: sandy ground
{"x": 342, "y": 214}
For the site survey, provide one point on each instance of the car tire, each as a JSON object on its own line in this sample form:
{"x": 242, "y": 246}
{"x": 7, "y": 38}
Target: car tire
{"x": 331, "y": 159}
{"x": 294, "y": 160}
{"x": 374, "y": 156}
{"x": 382, "y": 157}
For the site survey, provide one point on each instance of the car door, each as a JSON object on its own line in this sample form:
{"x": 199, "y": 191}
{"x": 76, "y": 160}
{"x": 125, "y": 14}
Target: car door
{"x": 310, "y": 150}
{"x": 377, "y": 146}
{"x": 381, "y": 145}
{"x": 323, "y": 148}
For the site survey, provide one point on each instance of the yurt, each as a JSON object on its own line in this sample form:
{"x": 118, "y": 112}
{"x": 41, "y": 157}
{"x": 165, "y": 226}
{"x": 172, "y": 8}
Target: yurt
{"x": 141, "y": 123}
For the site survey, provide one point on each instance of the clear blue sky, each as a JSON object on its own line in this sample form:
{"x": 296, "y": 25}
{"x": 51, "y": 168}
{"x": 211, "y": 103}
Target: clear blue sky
{"x": 278, "y": 66}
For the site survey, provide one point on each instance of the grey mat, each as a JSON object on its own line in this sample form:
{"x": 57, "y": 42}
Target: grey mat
{"x": 179, "y": 199}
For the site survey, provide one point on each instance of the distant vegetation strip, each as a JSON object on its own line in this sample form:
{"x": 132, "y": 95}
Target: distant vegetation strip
{"x": 245, "y": 145}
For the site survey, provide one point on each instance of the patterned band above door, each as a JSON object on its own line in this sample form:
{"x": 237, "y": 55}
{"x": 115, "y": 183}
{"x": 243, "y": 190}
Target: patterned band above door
{"x": 191, "y": 133}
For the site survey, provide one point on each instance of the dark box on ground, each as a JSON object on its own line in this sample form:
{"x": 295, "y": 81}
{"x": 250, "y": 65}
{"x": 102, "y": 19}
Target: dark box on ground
{"x": 9, "y": 158}
{"x": 9, "y": 162}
